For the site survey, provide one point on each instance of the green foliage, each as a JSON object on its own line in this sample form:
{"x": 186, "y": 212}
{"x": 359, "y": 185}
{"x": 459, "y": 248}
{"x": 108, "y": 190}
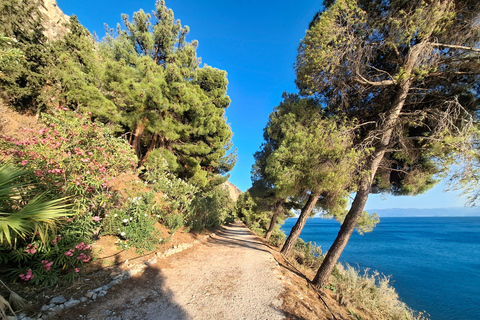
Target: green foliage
{"x": 165, "y": 100}
{"x": 8, "y": 55}
{"x": 73, "y": 156}
{"x": 24, "y": 212}
{"x": 75, "y": 74}
{"x": 307, "y": 254}
{"x": 312, "y": 153}
{"x": 135, "y": 223}
{"x": 357, "y": 70}
{"x": 23, "y": 82}
{"x": 278, "y": 237}
{"x": 210, "y": 209}
{"x": 44, "y": 264}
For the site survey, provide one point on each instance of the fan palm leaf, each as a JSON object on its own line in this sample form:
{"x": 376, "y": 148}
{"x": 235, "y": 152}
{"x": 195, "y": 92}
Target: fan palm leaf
{"x": 38, "y": 215}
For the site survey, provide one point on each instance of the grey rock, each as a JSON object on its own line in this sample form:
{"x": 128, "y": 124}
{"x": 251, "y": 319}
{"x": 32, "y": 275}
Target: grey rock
{"x": 58, "y": 300}
{"x": 45, "y": 307}
{"x": 71, "y": 303}
{"x": 94, "y": 297}
{"x": 102, "y": 293}
{"x": 89, "y": 294}
{"x": 107, "y": 312}
{"x": 83, "y": 299}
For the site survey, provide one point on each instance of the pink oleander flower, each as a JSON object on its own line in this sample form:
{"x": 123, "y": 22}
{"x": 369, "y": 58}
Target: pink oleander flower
{"x": 24, "y": 162}
{"x": 28, "y": 276}
{"x": 47, "y": 265}
{"x": 69, "y": 252}
{"x": 77, "y": 270}
{"x": 31, "y": 248}
{"x": 96, "y": 218}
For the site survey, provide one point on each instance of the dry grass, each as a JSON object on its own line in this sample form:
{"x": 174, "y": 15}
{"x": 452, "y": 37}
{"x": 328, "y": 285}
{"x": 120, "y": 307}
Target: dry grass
{"x": 372, "y": 294}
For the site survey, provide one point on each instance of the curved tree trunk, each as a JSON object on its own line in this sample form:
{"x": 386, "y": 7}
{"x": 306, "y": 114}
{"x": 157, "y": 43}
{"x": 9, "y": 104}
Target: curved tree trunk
{"x": 356, "y": 210}
{"x": 297, "y": 228}
{"x": 276, "y": 211}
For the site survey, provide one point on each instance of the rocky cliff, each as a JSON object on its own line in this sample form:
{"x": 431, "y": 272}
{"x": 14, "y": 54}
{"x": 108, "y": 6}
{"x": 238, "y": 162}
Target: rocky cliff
{"x": 54, "y": 20}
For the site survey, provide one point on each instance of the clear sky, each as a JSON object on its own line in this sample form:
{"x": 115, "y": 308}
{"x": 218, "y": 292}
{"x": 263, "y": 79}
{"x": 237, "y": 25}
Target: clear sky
{"x": 256, "y": 43}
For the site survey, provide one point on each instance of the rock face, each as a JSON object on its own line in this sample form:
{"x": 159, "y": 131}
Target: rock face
{"x": 54, "y": 20}
{"x": 232, "y": 189}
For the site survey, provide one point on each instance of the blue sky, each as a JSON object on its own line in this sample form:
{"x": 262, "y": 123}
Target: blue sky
{"x": 256, "y": 43}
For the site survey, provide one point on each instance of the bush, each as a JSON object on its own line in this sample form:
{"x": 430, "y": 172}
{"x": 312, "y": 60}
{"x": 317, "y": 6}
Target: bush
{"x": 307, "y": 254}
{"x": 278, "y": 237}
{"x": 210, "y": 209}
{"x": 42, "y": 264}
{"x": 135, "y": 223}
{"x": 71, "y": 157}
{"x": 371, "y": 293}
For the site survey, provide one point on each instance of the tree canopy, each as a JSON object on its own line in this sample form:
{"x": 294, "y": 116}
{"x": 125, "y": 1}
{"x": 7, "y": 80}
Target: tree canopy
{"x": 409, "y": 71}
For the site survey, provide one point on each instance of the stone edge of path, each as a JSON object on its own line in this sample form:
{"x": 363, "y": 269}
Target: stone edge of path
{"x": 60, "y": 303}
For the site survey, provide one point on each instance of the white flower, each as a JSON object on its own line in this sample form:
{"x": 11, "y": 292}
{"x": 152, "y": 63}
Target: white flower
{"x": 125, "y": 220}
{"x": 145, "y": 214}
{"x": 131, "y": 218}
{"x": 122, "y": 234}
{"x": 115, "y": 215}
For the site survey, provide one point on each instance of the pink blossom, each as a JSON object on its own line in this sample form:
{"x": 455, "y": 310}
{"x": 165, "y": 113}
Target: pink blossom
{"x": 69, "y": 252}
{"x": 24, "y": 162}
{"x": 96, "y": 218}
{"x": 77, "y": 270}
{"x": 47, "y": 265}
{"x": 31, "y": 248}
{"x": 28, "y": 276}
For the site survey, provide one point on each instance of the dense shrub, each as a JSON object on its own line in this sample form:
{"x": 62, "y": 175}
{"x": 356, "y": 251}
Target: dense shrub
{"x": 74, "y": 157}
{"x": 135, "y": 223}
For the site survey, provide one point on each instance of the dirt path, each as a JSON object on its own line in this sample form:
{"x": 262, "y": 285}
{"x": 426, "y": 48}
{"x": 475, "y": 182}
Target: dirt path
{"x": 230, "y": 276}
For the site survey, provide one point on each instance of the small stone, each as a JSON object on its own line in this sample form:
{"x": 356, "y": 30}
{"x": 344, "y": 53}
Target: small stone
{"x": 115, "y": 282}
{"x": 107, "y": 312}
{"x": 89, "y": 294}
{"x": 102, "y": 293}
{"x": 45, "y": 307}
{"x": 71, "y": 303}
{"x": 98, "y": 289}
{"x": 94, "y": 297}
{"x": 58, "y": 307}
{"x": 58, "y": 300}
{"x": 83, "y": 299}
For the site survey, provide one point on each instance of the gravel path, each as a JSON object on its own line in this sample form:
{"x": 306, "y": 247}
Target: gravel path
{"x": 230, "y": 276}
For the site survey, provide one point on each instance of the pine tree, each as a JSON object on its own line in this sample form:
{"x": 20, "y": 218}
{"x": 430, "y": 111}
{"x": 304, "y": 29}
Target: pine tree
{"x": 165, "y": 100}
{"x": 409, "y": 71}
{"x": 23, "y": 83}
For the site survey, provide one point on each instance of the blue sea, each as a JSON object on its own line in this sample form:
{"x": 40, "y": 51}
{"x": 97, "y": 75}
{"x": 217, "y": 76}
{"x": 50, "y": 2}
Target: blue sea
{"x": 434, "y": 262}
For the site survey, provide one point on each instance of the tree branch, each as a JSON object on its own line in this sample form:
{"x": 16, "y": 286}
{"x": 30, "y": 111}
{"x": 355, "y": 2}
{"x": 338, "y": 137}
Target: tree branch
{"x": 382, "y": 83}
{"x": 453, "y": 46}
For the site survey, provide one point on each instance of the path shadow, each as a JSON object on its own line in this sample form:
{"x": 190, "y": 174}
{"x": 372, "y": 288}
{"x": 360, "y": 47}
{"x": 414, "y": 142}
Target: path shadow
{"x": 138, "y": 298}
{"x": 227, "y": 238}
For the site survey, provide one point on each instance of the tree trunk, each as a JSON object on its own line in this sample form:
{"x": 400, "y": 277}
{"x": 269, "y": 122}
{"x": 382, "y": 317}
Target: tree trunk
{"x": 356, "y": 210}
{"x": 276, "y": 211}
{"x": 297, "y": 228}
{"x": 150, "y": 149}
{"x": 138, "y": 138}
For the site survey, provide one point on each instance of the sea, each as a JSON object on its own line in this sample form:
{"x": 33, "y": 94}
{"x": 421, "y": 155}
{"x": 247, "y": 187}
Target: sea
{"x": 434, "y": 262}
